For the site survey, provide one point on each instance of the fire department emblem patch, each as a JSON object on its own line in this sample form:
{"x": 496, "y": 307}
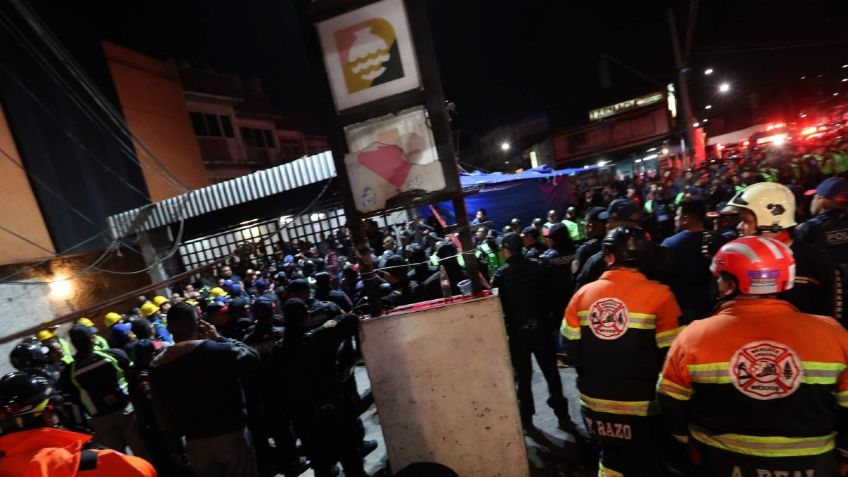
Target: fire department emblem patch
{"x": 766, "y": 370}
{"x": 608, "y": 318}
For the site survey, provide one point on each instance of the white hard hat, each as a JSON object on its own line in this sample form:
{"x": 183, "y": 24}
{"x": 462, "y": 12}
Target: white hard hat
{"x": 772, "y": 204}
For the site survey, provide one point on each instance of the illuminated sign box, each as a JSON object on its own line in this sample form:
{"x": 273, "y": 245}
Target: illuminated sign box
{"x": 618, "y": 108}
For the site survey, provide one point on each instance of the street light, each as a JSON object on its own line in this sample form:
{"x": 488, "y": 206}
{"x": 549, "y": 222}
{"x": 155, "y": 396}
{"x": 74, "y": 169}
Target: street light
{"x": 724, "y": 87}
{"x": 505, "y": 146}
{"x": 708, "y": 71}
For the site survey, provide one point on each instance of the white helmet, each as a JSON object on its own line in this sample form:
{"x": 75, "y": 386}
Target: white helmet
{"x": 772, "y": 204}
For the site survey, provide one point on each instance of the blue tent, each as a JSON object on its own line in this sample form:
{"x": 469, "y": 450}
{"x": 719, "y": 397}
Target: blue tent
{"x": 525, "y": 195}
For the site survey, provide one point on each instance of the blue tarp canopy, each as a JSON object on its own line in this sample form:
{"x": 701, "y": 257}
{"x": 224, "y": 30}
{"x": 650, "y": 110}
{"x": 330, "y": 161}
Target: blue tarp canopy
{"x": 524, "y": 195}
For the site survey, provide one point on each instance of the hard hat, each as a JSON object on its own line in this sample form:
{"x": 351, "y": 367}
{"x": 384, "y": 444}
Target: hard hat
{"x": 761, "y": 266}
{"x": 85, "y": 322}
{"x": 216, "y": 292}
{"x": 24, "y": 397}
{"x": 631, "y": 246}
{"x": 111, "y": 318}
{"x": 159, "y": 300}
{"x": 148, "y": 309}
{"x": 44, "y": 335}
{"x": 772, "y": 204}
{"x": 28, "y": 355}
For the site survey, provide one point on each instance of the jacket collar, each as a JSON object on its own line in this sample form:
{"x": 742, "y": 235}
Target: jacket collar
{"x": 623, "y": 275}
{"x": 757, "y": 305}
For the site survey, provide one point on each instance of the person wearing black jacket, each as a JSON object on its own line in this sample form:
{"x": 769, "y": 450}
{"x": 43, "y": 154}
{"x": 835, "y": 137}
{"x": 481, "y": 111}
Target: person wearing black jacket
{"x": 523, "y": 288}
{"x": 557, "y": 262}
{"x": 532, "y": 247}
{"x": 324, "y": 415}
{"x": 96, "y": 381}
{"x": 197, "y": 394}
{"x": 268, "y": 414}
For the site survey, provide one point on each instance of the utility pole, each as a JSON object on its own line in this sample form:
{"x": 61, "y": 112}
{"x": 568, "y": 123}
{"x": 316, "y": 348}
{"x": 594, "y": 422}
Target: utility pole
{"x": 680, "y": 60}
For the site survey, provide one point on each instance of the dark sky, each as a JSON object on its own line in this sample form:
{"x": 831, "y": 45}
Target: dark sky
{"x": 502, "y": 59}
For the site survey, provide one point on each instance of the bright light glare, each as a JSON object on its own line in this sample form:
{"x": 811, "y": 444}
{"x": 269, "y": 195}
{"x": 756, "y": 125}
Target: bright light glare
{"x": 845, "y": 80}
{"x": 708, "y": 71}
{"x": 803, "y": 115}
{"x": 505, "y": 146}
{"x": 648, "y": 158}
{"x": 709, "y": 106}
{"x": 845, "y": 66}
{"x": 779, "y": 140}
{"x": 724, "y": 87}
{"x": 809, "y": 130}
{"x": 602, "y": 163}
{"x": 61, "y": 288}
{"x": 705, "y": 121}
{"x": 697, "y": 125}
{"x": 664, "y": 151}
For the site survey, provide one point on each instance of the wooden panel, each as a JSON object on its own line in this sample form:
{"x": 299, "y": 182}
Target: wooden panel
{"x": 443, "y": 384}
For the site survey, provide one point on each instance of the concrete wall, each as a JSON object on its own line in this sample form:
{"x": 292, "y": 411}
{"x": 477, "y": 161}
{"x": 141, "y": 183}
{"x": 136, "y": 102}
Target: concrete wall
{"x": 152, "y": 101}
{"x": 22, "y": 213}
{"x": 443, "y": 384}
{"x": 22, "y": 306}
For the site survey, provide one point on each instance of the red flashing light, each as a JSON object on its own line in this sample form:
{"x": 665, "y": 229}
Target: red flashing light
{"x": 809, "y": 130}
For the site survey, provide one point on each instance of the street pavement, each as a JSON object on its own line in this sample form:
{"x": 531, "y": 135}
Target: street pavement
{"x": 550, "y": 451}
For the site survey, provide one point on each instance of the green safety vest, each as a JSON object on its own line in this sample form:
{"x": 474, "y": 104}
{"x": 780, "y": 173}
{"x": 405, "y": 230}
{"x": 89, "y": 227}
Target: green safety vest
{"x": 434, "y": 260}
{"x": 100, "y": 343}
{"x": 826, "y": 164}
{"x": 68, "y": 357}
{"x": 494, "y": 260}
{"x": 574, "y": 230}
{"x": 84, "y": 397}
{"x": 840, "y": 161}
{"x": 649, "y": 206}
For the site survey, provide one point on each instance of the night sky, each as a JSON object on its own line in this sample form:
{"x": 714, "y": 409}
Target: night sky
{"x": 502, "y": 59}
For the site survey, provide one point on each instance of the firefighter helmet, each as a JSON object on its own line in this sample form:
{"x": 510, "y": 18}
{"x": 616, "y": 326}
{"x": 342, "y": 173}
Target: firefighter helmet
{"x": 23, "y": 400}
{"x": 772, "y": 204}
{"x": 27, "y": 355}
{"x": 761, "y": 266}
{"x": 630, "y": 245}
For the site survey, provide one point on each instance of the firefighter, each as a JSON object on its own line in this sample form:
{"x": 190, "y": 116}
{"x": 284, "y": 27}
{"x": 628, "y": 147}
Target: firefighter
{"x": 758, "y": 389}
{"x": 617, "y": 330}
{"x": 522, "y": 287}
{"x": 767, "y": 209}
{"x": 828, "y": 230}
{"x": 31, "y": 445}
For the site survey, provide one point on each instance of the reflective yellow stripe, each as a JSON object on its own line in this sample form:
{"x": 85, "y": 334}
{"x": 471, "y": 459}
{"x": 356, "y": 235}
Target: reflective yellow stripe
{"x": 639, "y": 321}
{"x": 710, "y": 373}
{"x": 681, "y": 439}
{"x": 607, "y": 472}
{"x": 842, "y": 398}
{"x": 767, "y": 446}
{"x": 570, "y": 333}
{"x": 821, "y": 373}
{"x": 674, "y": 390}
{"x": 665, "y": 338}
{"x": 630, "y": 408}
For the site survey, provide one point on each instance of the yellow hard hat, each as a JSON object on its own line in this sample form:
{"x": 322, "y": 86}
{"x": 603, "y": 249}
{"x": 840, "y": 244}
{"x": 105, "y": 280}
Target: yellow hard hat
{"x": 85, "y": 322}
{"x": 216, "y": 292}
{"x": 192, "y": 302}
{"x": 159, "y": 300}
{"x": 111, "y": 318}
{"x": 45, "y": 335}
{"x": 148, "y": 309}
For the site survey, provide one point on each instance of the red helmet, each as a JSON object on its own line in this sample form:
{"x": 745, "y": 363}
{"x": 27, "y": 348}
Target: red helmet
{"x": 761, "y": 266}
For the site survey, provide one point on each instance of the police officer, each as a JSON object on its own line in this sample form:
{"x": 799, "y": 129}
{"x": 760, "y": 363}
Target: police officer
{"x": 617, "y": 330}
{"x": 324, "y": 415}
{"x": 557, "y": 263}
{"x": 767, "y": 209}
{"x": 268, "y": 414}
{"x": 95, "y": 380}
{"x": 759, "y": 388}
{"x": 828, "y": 230}
{"x": 324, "y": 291}
{"x": 30, "y": 444}
{"x": 621, "y": 212}
{"x": 596, "y": 229}
{"x": 489, "y": 254}
{"x": 320, "y": 311}
{"x": 522, "y": 288}
{"x": 533, "y": 248}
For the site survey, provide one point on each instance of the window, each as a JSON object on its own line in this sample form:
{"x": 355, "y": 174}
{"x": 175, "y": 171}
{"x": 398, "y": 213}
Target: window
{"x": 269, "y": 138}
{"x": 257, "y": 137}
{"x": 227, "y": 126}
{"x": 198, "y": 124}
{"x": 212, "y": 124}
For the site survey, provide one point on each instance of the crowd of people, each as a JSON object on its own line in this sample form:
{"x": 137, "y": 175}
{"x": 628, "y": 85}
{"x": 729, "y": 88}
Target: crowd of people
{"x": 718, "y": 280}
